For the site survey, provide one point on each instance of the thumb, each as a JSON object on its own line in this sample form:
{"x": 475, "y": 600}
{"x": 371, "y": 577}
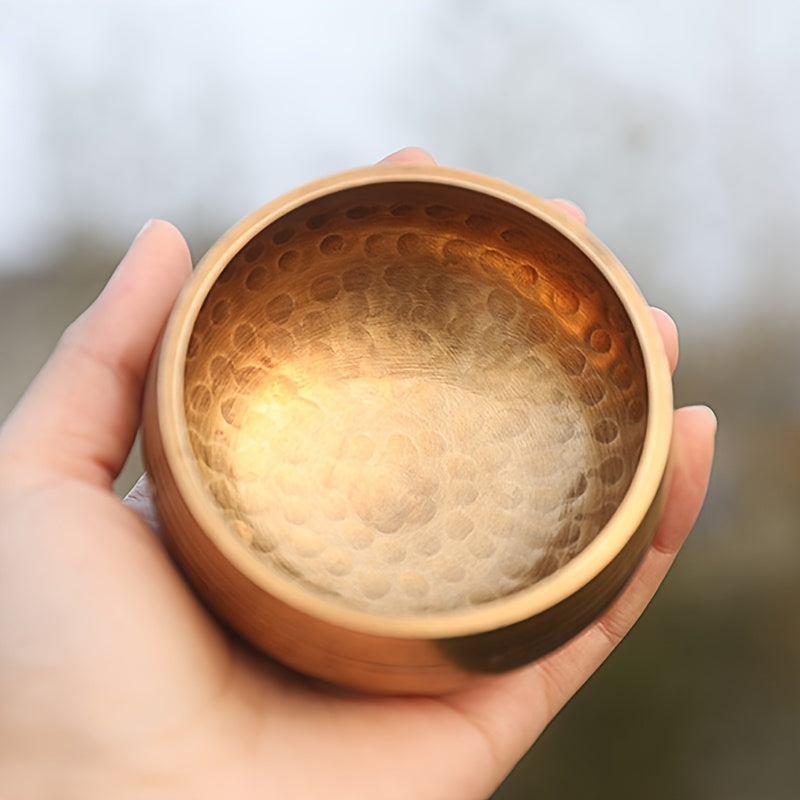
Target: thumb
{"x": 80, "y": 415}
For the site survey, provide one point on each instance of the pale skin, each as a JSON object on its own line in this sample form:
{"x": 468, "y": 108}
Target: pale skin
{"x": 114, "y": 682}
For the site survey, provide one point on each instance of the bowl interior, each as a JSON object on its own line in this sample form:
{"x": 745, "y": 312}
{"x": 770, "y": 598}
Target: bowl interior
{"x": 414, "y": 405}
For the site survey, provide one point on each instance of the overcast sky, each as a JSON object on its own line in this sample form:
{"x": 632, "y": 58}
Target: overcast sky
{"x": 675, "y": 125}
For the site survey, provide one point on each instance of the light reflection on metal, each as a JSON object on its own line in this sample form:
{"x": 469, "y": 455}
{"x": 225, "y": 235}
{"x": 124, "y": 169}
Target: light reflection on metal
{"x": 408, "y": 424}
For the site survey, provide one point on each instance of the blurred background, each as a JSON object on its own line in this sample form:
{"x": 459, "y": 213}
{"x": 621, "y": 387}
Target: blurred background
{"x": 675, "y": 125}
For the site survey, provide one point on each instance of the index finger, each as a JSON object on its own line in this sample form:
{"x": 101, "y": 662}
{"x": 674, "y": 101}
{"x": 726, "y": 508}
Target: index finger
{"x": 669, "y": 335}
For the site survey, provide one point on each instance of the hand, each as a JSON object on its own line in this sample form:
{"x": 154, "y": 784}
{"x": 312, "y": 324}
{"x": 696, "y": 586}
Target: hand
{"x": 114, "y": 681}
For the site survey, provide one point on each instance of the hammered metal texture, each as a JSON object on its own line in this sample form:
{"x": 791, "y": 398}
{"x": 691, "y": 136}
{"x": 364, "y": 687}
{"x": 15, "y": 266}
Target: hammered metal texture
{"x": 412, "y": 408}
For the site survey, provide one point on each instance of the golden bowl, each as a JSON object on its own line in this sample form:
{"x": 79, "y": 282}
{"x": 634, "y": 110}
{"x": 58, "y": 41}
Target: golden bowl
{"x": 408, "y": 425}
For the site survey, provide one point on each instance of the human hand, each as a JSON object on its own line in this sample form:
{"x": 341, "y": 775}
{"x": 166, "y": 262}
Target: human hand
{"x": 114, "y": 680}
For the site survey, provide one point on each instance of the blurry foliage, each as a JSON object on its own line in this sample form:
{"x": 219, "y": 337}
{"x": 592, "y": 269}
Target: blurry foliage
{"x": 35, "y": 307}
{"x": 702, "y": 700}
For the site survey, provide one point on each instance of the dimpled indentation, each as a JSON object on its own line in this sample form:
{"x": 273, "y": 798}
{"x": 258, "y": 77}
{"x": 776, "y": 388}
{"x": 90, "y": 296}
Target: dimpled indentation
{"x": 480, "y": 223}
{"x": 195, "y": 344}
{"x": 409, "y": 408}
{"x": 600, "y": 340}
{"x": 438, "y": 211}
{"x": 244, "y": 336}
{"x": 572, "y": 360}
{"x": 457, "y": 250}
{"x": 516, "y": 237}
{"x": 289, "y": 261}
{"x": 636, "y": 410}
{"x": 256, "y": 279}
{"x": 493, "y": 261}
{"x": 232, "y": 409}
{"x": 253, "y": 250}
{"x": 282, "y": 235}
{"x": 502, "y": 304}
{"x": 622, "y": 374}
{"x": 409, "y": 243}
{"x": 200, "y": 398}
{"x": 221, "y": 311}
{"x": 541, "y": 329}
{"x": 360, "y": 212}
{"x": 325, "y": 288}
{"x": 526, "y": 275}
{"x": 606, "y": 430}
{"x": 592, "y": 391}
{"x": 331, "y": 245}
{"x": 356, "y": 279}
{"x": 611, "y": 469}
{"x": 565, "y": 301}
{"x": 378, "y": 243}
{"x": 317, "y": 221}
{"x": 279, "y": 308}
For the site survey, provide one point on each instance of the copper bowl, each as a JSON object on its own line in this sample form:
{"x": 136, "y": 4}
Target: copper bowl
{"x": 407, "y": 425}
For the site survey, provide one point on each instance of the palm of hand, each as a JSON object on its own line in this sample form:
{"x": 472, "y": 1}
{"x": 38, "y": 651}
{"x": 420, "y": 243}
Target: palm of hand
{"x": 115, "y": 680}
{"x": 148, "y": 685}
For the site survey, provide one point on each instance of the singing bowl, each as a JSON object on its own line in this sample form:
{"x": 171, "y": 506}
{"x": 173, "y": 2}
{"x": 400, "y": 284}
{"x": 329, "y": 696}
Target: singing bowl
{"x": 408, "y": 425}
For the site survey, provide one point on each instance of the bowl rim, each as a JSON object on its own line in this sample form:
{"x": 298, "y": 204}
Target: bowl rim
{"x": 498, "y": 613}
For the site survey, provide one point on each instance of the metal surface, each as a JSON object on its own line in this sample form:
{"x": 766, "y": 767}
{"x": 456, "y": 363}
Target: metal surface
{"x": 406, "y": 424}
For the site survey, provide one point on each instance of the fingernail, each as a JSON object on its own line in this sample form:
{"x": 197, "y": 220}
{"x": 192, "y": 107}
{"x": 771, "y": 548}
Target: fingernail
{"x": 711, "y": 415}
{"x": 571, "y": 208}
{"x": 143, "y": 229}
{"x": 409, "y": 155}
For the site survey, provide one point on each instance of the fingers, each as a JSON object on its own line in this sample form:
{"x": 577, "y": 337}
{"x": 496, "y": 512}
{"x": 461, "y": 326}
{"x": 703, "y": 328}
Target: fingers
{"x": 669, "y": 334}
{"x": 666, "y": 326}
{"x": 665, "y": 323}
{"x": 416, "y": 155}
{"x": 506, "y": 706}
{"x": 570, "y": 209}
{"x": 691, "y": 457}
{"x": 80, "y": 415}
{"x": 409, "y": 155}
{"x": 140, "y": 499}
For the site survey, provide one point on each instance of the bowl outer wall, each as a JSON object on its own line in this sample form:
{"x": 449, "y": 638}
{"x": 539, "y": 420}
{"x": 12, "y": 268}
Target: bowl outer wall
{"x": 238, "y": 586}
